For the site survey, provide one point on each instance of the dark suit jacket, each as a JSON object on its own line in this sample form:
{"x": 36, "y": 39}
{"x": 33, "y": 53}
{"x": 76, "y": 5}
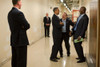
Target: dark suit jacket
{"x": 46, "y": 21}
{"x": 57, "y": 28}
{"x": 18, "y": 26}
{"x": 68, "y": 23}
{"x": 81, "y": 27}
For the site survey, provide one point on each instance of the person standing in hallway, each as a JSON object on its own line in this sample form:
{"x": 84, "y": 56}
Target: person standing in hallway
{"x": 19, "y": 41}
{"x": 47, "y": 22}
{"x": 57, "y": 34}
{"x": 65, "y": 34}
{"x": 79, "y": 32}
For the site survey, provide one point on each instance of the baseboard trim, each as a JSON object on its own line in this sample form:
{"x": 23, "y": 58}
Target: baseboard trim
{"x": 5, "y": 61}
{"x": 90, "y": 62}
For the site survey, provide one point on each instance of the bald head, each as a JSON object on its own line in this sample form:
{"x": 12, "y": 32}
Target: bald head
{"x": 47, "y": 14}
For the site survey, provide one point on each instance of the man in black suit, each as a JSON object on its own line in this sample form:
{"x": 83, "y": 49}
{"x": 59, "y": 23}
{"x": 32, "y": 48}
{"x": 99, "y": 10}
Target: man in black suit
{"x": 47, "y": 22}
{"x": 79, "y": 32}
{"x": 57, "y": 34}
{"x": 65, "y": 33}
{"x": 19, "y": 41}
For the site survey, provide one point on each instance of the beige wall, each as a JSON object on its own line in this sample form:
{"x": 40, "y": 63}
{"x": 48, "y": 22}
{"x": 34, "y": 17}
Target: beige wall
{"x": 4, "y": 35}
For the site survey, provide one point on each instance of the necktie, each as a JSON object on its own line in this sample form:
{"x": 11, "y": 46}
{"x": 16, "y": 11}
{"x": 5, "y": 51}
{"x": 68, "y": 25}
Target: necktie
{"x": 47, "y": 19}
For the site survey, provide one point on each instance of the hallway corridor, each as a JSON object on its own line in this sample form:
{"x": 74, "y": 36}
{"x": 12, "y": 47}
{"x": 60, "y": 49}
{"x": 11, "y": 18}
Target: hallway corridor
{"x": 39, "y": 53}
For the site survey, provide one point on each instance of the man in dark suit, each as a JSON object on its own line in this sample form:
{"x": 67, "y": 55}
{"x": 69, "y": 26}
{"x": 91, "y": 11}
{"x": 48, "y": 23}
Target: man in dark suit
{"x": 19, "y": 41}
{"x": 57, "y": 34}
{"x": 79, "y": 32}
{"x": 47, "y": 22}
{"x": 65, "y": 33}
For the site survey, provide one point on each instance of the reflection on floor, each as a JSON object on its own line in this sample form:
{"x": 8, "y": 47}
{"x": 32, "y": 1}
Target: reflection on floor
{"x": 39, "y": 53}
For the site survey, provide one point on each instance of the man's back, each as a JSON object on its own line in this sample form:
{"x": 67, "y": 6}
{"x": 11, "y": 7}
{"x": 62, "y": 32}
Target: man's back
{"x": 18, "y": 26}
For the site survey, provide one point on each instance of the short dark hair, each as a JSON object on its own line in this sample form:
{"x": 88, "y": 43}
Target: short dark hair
{"x": 15, "y": 2}
{"x": 54, "y": 9}
{"x": 84, "y": 8}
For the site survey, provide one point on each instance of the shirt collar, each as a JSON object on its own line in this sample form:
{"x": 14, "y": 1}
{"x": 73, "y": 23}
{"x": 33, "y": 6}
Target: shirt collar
{"x": 82, "y": 14}
{"x": 16, "y": 8}
{"x": 56, "y": 15}
{"x": 63, "y": 20}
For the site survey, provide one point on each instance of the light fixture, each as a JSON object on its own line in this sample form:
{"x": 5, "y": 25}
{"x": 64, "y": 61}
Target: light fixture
{"x": 64, "y": 4}
{"x": 68, "y": 9}
{"x": 62, "y": 1}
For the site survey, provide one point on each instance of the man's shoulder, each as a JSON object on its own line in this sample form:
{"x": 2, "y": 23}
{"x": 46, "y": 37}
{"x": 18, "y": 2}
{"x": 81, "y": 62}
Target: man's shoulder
{"x": 54, "y": 16}
{"x": 68, "y": 19}
{"x": 15, "y": 11}
{"x": 45, "y": 17}
{"x": 60, "y": 19}
{"x": 85, "y": 16}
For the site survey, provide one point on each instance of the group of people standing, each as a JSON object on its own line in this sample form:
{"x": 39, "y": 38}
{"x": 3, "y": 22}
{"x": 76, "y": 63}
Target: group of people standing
{"x": 61, "y": 31}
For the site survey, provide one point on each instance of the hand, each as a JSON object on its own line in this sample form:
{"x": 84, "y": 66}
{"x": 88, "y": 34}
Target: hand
{"x": 75, "y": 22}
{"x": 79, "y": 38}
{"x": 61, "y": 23}
{"x": 70, "y": 33}
{"x": 47, "y": 24}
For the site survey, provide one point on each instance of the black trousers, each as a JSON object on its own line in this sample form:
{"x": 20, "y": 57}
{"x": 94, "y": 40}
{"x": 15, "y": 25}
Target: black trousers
{"x": 65, "y": 37}
{"x": 79, "y": 50}
{"x": 19, "y": 56}
{"x": 47, "y": 30}
{"x": 55, "y": 47}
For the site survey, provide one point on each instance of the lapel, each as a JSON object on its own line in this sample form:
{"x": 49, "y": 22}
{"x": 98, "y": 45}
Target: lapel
{"x": 67, "y": 20}
{"x": 80, "y": 19}
{"x": 46, "y": 18}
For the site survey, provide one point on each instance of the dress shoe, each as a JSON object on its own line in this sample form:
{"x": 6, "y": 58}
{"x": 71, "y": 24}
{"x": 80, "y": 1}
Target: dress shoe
{"x": 54, "y": 60}
{"x": 80, "y": 61}
{"x": 78, "y": 58}
{"x": 68, "y": 55}
{"x": 48, "y": 36}
{"x": 61, "y": 55}
{"x": 57, "y": 58}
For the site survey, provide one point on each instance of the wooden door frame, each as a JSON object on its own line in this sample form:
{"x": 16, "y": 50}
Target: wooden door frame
{"x": 98, "y": 37}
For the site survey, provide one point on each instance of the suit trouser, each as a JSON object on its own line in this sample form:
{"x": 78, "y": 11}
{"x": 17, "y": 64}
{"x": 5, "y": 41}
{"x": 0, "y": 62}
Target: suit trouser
{"x": 47, "y": 30}
{"x": 65, "y": 37}
{"x": 19, "y": 56}
{"x": 79, "y": 50}
{"x": 55, "y": 47}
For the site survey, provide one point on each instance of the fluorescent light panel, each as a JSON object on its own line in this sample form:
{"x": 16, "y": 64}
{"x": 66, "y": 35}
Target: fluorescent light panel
{"x": 68, "y": 9}
{"x": 62, "y": 1}
{"x": 64, "y": 4}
